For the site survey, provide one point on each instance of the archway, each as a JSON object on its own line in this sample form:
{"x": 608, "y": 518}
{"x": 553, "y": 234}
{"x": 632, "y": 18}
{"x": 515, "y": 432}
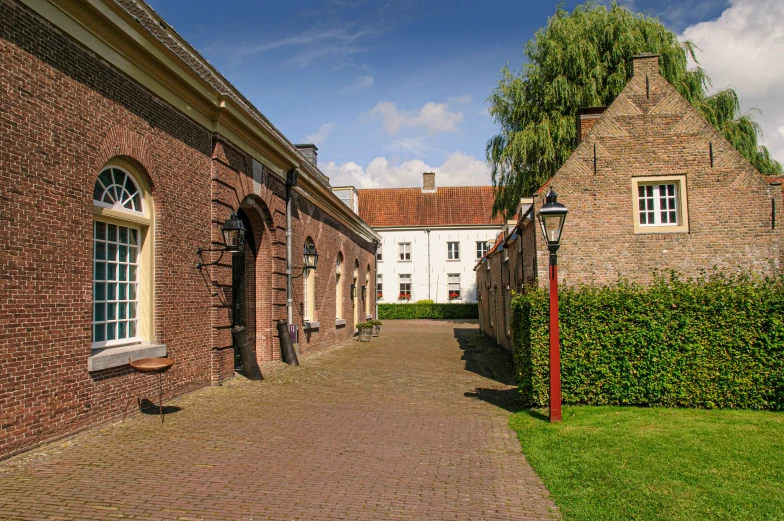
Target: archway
{"x": 243, "y": 286}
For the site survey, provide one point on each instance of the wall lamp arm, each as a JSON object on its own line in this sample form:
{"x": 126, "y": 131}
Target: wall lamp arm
{"x": 203, "y": 264}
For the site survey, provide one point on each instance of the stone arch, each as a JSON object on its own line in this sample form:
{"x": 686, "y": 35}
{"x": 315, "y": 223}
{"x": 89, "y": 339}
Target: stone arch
{"x": 122, "y": 142}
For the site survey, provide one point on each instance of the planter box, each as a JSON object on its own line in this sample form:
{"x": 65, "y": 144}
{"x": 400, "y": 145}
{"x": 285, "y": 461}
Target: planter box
{"x": 364, "y": 335}
{"x": 376, "y": 330}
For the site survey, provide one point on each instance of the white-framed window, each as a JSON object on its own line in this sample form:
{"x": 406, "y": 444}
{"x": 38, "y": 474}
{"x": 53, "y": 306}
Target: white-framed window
{"x": 368, "y": 298}
{"x": 308, "y": 287}
{"x": 660, "y": 204}
{"x": 481, "y": 249}
{"x": 379, "y": 287}
{"x": 379, "y": 255}
{"x": 404, "y": 251}
{"x": 404, "y": 282}
{"x": 115, "y": 284}
{"x": 453, "y": 285}
{"x": 452, "y": 251}
{"x": 122, "y": 293}
{"x": 339, "y": 286}
{"x": 116, "y": 189}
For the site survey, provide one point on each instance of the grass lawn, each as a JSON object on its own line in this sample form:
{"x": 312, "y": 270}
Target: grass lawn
{"x": 618, "y": 463}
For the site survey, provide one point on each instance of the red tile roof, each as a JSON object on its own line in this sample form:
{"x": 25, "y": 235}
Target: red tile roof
{"x": 449, "y": 205}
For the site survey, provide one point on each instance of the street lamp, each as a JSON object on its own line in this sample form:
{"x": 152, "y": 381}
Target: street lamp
{"x": 310, "y": 259}
{"x": 551, "y": 218}
{"x": 233, "y": 240}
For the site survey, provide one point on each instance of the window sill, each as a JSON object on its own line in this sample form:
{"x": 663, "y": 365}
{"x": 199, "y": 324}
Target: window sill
{"x": 368, "y": 317}
{"x": 108, "y": 357}
{"x": 340, "y": 322}
{"x": 453, "y": 260}
{"x": 404, "y": 261}
{"x": 310, "y": 324}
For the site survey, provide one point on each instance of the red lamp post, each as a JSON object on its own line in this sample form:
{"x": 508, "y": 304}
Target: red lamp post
{"x": 551, "y": 218}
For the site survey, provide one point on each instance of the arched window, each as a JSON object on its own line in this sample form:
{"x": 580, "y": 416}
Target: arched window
{"x": 354, "y": 296}
{"x": 117, "y": 189}
{"x": 308, "y": 289}
{"x": 122, "y": 258}
{"x": 339, "y": 286}
{"x": 368, "y": 294}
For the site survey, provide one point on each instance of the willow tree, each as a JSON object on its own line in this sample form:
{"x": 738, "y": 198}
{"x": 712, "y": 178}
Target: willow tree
{"x": 583, "y": 59}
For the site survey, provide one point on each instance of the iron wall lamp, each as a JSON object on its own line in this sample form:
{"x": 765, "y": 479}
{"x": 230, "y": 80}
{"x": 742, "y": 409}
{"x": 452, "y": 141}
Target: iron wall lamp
{"x": 233, "y": 240}
{"x": 353, "y": 291}
{"x": 364, "y": 292}
{"x": 311, "y": 260}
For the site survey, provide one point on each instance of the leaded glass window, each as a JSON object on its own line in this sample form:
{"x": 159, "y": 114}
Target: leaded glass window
{"x": 114, "y": 188}
{"x": 115, "y": 283}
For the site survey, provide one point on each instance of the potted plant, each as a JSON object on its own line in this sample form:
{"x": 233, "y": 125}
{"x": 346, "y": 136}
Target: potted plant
{"x": 404, "y": 296}
{"x": 376, "y": 327}
{"x": 454, "y": 295}
{"x": 379, "y": 295}
{"x": 364, "y": 329}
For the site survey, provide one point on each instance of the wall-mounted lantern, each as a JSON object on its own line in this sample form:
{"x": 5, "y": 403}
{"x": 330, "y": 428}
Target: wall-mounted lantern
{"x": 353, "y": 291}
{"x": 364, "y": 292}
{"x": 233, "y": 240}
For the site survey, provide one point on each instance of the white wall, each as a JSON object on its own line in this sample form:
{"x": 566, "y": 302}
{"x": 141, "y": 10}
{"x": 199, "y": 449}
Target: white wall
{"x": 390, "y": 267}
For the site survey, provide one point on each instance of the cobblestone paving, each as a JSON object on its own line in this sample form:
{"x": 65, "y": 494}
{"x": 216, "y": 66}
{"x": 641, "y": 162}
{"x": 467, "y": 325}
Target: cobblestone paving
{"x": 411, "y": 426}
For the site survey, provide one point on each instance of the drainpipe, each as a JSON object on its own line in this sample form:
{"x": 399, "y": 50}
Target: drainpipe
{"x": 291, "y": 182}
{"x": 428, "y": 263}
{"x": 375, "y": 283}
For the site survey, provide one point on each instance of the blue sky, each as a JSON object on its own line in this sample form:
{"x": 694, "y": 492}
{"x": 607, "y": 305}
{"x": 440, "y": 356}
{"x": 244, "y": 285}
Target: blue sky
{"x": 386, "y": 90}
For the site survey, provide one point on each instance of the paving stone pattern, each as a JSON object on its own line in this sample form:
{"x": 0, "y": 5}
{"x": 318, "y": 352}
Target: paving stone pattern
{"x": 412, "y": 426}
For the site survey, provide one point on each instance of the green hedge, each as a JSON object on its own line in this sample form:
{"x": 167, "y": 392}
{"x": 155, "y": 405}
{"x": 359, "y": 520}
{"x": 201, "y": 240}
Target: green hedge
{"x": 394, "y": 311}
{"x": 715, "y": 341}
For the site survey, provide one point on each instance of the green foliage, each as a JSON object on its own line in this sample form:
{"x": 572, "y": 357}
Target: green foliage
{"x": 425, "y": 301}
{"x": 419, "y": 310}
{"x": 364, "y": 326}
{"x": 376, "y": 322}
{"x": 656, "y": 464}
{"x": 583, "y": 59}
{"x": 714, "y": 341}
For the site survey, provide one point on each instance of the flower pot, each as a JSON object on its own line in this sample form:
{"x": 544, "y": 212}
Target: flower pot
{"x": 376, "y": 330}
{"x": 364, "y": 335}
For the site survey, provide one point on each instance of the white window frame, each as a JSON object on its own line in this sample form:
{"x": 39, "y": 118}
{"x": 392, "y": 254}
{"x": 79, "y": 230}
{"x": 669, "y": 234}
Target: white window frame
{"x": 309, "y": 290}
{"x": 453, "y": 286}
{"x": 401, "y": 283}
{"x": 131, "y": 287}
{"x": 339, "y": 286}
{"x": 681, "y": 204}
{"x": 453, "y": 250}
{"x": 481, "y": 249}
{"x": 404, "y": 252}
{"x": 379, "y": 286}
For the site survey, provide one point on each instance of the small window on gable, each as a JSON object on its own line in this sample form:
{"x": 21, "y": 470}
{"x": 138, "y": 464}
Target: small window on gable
{"x": 117, "y": 189}
{"x": 660, "y": 204}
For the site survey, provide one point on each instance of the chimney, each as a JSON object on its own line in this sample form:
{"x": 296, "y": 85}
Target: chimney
{"x": 310, "y": 151}
{"x": 645, "y": 63}
{"x": 586, "y": 119}
{"x": 429, "y": 182}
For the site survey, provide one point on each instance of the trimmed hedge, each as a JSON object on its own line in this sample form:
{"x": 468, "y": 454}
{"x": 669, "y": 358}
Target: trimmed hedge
{"x": 715, "y": 341}
{"x": 418, "y": 310}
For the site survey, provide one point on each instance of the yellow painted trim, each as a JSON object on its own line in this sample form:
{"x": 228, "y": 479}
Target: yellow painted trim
{"x": 683, "y": 205}
{"x": 109, "y": 31}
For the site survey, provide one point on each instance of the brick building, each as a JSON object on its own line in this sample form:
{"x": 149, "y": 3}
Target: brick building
{"x": 651, "y": 186}
{"x": 123, "y": 151}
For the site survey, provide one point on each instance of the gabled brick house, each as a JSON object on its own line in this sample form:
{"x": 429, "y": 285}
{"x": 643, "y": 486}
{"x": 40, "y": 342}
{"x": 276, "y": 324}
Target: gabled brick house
{"x": 651, "y": 186}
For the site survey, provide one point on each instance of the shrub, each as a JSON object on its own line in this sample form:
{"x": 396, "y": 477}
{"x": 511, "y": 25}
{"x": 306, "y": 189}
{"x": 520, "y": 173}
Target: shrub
{"x": 364, "y": 325}
{"x": 714, "y": 341}
{"x": 419, "y": 310}
{"x": 425, "y": 301}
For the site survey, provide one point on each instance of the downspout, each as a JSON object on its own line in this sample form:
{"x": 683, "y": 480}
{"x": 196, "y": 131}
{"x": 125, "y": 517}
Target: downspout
{"x": 428, "y": 263}
{"x": 291, "y": 182}
{"x": 375, "y": 283}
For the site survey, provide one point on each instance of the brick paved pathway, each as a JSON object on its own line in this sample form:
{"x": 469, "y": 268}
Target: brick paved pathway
{"x": 399, "y": 428}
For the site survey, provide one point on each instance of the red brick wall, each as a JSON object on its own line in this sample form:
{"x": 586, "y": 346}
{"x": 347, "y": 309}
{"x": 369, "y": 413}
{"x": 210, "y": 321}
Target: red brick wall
{"x": 656, "y": 133}
{"x": 63, "y": 113}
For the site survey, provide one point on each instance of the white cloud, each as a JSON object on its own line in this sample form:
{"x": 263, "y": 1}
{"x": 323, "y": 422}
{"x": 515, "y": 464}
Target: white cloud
{"x": 359, "y": 83}
{"x": 743, "y": 49}
{"x": 320, "y": 137}
{"x": 435, "y": 118}
{"x": 413, "y": 145}
{"x": 457, "y": 170}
